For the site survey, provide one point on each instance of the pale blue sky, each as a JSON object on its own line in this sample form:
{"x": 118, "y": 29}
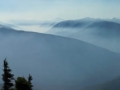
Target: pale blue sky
{"x": 50, "y": 10}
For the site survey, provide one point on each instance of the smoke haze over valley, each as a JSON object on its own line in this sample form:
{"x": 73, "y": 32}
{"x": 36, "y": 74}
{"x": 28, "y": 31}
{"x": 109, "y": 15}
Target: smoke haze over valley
{"x": 58, "y": 62}
{"x": 103, "y": 33}
{"x": 63, "y": 44}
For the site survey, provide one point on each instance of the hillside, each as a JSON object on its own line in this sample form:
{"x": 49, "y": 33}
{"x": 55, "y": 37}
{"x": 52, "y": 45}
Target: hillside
{"x": 110, "y": 85}
{"x": 57, "y": 62}
{"x": 103, "y": 33}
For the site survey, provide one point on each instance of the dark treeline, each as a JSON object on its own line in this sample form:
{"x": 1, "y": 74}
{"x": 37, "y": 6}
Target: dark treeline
{"x": 10, "y": 83}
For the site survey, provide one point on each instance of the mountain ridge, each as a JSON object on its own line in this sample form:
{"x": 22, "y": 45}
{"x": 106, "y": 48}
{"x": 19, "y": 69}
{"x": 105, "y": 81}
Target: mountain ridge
{"x": 58, "y": 62}
{"x": 97, "y": 32}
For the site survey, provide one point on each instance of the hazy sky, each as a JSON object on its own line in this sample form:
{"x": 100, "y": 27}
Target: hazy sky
{"x": 47, "y": 10}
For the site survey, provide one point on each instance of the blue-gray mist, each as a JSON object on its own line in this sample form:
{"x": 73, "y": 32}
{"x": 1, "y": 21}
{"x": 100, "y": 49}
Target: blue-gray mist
{"x": 57, "y": 62}
{"x": 103, "y": 33}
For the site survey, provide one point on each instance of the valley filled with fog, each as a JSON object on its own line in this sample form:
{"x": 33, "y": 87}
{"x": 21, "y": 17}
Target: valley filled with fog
{"x": 103, "y": 33}
{"x": 73, "y": 55}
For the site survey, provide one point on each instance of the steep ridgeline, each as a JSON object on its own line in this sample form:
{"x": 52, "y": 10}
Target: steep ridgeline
{"x": 57, "y": 63}
{"x": 102, "y": 33}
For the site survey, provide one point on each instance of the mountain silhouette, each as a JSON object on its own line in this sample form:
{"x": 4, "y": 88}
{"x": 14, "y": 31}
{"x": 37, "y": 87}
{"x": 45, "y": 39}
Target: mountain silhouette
{"x": 103, "y": 33}
{"x": 55, "y": 61}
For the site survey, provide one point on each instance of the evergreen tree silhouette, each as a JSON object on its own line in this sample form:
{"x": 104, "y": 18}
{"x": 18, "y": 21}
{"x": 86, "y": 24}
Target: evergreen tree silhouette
{"x": 29, "y": 81}
{"x": 7, "y": 77}
{"x": 22, "y": 84}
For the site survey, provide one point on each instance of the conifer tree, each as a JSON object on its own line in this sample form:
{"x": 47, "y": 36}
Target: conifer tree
{"x": 7, "y": 77}
{"x": 22, "y": 84}
{"x": 29, "y": 81}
